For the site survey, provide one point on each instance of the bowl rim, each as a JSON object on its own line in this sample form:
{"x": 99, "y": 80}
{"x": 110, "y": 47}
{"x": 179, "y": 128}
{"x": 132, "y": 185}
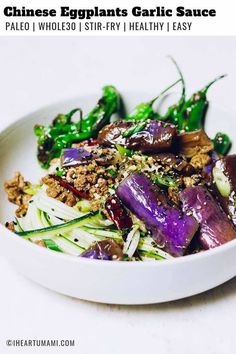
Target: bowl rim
{"x": 44, "y": 251}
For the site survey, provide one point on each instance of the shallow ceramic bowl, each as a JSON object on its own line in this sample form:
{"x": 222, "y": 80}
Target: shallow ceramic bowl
{"x": 102, "y": 281}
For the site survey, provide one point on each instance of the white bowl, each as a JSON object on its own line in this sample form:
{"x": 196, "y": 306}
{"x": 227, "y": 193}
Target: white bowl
{"x": 102, "y": 281}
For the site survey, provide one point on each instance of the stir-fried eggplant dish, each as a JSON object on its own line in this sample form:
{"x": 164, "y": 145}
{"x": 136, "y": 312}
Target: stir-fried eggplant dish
{"x": 129, "y": 187}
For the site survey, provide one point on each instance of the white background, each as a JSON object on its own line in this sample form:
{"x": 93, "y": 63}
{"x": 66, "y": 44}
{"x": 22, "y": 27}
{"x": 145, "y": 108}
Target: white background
{"x": 37, "y": 71}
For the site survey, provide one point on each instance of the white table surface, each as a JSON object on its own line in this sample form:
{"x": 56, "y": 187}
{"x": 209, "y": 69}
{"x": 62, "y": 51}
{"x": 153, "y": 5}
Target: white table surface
{"x": 38, "y": 71}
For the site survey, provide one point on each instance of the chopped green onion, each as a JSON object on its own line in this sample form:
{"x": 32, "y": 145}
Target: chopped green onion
{"x": 84, "y": 206}
{"x": 112, "y": 172}
{"x": 133, "y": 130}
{"x": 60, "y": 173}
{"x": 52, "y": 245}
{"x": 222, "y": 181}
{"x": 124, "y": 151}
{"x": 165, "y": 181}
{"x": 33, "y": 189}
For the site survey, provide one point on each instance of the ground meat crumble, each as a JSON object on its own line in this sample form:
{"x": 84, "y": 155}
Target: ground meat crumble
{"x": 16, "y": 192}
{"x": 94, "y": 178}
{"x": 98, "y": 177}
{"x": 54, "y": 190}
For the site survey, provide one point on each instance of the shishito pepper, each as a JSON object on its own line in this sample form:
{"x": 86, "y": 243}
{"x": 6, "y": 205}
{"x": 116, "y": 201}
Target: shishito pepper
{"x": 65, "y": 119}
{"x": 145, "y": 111}
{"x": 189, "y": 114}
{"x": 53, "y": 138}
{"x": 63, "y": 132}
{"x": 193, "y": 112}
{"x": 222, "y": 143}
{"x": 100, "y": 115}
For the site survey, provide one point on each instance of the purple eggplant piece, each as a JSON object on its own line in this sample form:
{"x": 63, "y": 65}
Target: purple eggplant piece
{"x": 224, "y": 183}
{"x": 169, "y": 227}
{"x": 75, "y": 156}
{"x": 156, "y": 136}
{"x": 215, "y": 227}
{"x": 107, "y": 250}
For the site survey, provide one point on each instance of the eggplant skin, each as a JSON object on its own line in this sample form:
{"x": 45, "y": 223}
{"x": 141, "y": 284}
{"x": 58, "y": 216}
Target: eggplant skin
{"x": 227, "y": 165}
{"x": 156, "y": 136}
{"x": 215, "y": 227}
{"x": 106, "y": 250}
{"x": 75, "y": 156}
{"x": 169, "y": 227}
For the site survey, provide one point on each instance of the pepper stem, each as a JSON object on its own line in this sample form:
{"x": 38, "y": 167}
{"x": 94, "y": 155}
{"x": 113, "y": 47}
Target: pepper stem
{"x": 71, "y": 113}
{"x": 182, "y": 98}
{"x": 205, "y": 89}
{"x": 164, "y": 91}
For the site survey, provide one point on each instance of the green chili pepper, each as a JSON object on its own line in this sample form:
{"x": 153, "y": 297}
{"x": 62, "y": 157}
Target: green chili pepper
{"x": 65, "y": 141}
{"x": 222, "y": 143}
{"x": 193, "y": 112}
{"x": 145, "y": 111}
{"x": 101, "y": 114}
{"x": 53, "y": 138}
{"x": 63, "y": 119}
{"x": 39, "y": 130}
{"x": 64, "y": 132}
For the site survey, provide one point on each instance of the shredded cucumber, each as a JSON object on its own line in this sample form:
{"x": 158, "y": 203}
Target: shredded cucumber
{"x": 84, "y": 239}
{"x": 29, "y": 221}
{"x": 17, "y": 225}
{"x": 103, "y": 233}
{"x": 53, "y": 220}
{"x": 36, "y": 217}
{"x": 67, "y": 246}
{"x": 58, "y": 229}
{"x": 147, "y": 246}
{"x": 65, "y": 229}
{"x": 55, "y": 207}
{"x": 44, "y": 219}
{"x": 132, "y": 241}
{"x": 150, "y": 255}
{"x": 99, "y": 223}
